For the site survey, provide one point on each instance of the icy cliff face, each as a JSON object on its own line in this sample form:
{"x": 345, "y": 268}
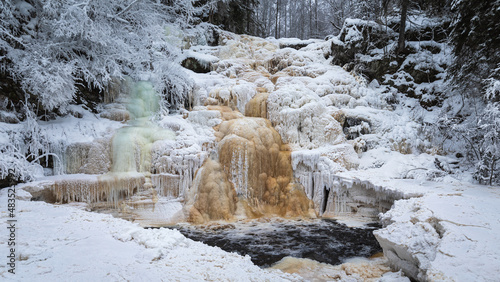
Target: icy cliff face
{"x": 334, "y": 195}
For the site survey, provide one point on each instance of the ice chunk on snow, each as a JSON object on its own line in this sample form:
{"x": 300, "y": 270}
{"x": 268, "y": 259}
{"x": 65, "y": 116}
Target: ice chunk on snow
{"x": 441, "y": 237}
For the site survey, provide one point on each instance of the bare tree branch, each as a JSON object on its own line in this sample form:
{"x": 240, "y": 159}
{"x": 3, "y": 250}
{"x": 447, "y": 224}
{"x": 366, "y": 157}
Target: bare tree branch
{"x": 335, "y": 26}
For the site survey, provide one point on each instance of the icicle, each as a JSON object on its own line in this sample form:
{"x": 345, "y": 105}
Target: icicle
{"x": 182, "y": 166}
{"x": 317, "y": 172}
{"x": 106, "y": 188}
{"x": 238, "y": 171}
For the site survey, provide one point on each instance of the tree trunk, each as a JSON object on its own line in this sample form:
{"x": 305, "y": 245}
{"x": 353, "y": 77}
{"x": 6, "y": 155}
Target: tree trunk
{"x": 310, "y": 19}
{"x": 402, "y": 28}
{"x": 286, "y": 17}
{"x": 316, "y": 18}
{"x": 277, "y": 23}
{"x": 247, "y": 11}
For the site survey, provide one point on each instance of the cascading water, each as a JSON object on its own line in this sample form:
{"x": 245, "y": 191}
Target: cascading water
{"x": 130, "y": 155}
{"x": 256, "y": 149}
{"x": 131, "y": 145}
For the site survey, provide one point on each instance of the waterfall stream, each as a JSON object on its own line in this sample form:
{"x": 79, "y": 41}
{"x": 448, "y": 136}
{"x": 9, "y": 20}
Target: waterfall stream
{"x": 254, "y": 148}
{"x": 131, "y": 145}
{"x": 325, "y": 241}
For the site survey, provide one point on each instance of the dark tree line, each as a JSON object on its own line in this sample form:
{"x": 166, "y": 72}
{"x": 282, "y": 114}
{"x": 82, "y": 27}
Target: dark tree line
{"x": 238, "y": 16}
{"x": 305, "y": 18}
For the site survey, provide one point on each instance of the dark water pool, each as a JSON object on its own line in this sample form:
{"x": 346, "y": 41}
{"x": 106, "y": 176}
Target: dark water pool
{"x": 268, "y": 242}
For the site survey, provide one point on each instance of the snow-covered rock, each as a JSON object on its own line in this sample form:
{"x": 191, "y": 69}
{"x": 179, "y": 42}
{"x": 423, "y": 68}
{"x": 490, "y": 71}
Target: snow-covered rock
{"x": 446, "y": 235}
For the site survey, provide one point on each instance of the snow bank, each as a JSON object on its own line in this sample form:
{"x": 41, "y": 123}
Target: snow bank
{"x": 54, "y": 242}
{"x": 450, "y": 235}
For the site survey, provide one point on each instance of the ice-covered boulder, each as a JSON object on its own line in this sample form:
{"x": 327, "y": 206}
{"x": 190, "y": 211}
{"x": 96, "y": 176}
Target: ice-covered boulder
{"x": 301, "y": 118}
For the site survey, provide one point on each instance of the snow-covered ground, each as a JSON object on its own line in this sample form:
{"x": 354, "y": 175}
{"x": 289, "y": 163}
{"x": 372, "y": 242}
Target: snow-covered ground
{"x": 444, "y": 229}
{"x": 61, "y": 243}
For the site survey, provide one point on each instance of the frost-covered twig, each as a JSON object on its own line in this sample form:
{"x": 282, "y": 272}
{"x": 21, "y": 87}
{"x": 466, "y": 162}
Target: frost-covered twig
{"x": 126, "y": 8}
{"x": 408, "y": 171}
{"x": 117, "y": 16}
{"x": 46, "y": 155}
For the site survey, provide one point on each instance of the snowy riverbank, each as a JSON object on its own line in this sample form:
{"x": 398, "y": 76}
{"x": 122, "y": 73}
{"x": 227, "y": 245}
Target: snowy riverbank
{"x": 60, "y": 242}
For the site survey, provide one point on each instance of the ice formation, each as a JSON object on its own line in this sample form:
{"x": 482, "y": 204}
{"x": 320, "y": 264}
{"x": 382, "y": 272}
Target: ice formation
{"x": 335, "y": 195}
{"x": 255, "y": 173}
{"x": 302, "y": 119}
{"x": 313, "y": 106}
{"x": 235, "y": 97}
{"x": 213, "y": 195}
{"x": 257, "y": 106}
{"x": 175, "y": 162}
{"x": 109, "y": 188}
{"x": 125, "y": 164}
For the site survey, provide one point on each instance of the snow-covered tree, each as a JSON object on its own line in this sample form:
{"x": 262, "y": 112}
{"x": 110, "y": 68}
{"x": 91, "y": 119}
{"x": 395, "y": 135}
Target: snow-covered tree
{"x": 233, "y": 15}
{"x": 476, "y": 38}
{"x": 488, "y": 167}
{"x": 50, "y": 47}
{"x": 475, "y": 75}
